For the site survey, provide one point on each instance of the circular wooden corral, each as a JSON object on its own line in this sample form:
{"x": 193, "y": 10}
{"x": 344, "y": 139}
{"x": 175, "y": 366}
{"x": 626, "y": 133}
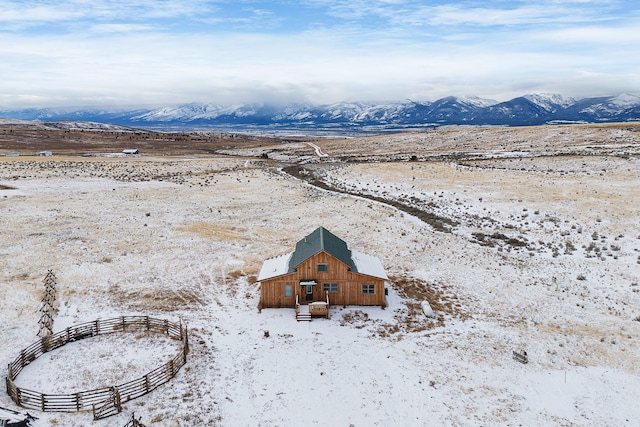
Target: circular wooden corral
{"x": 104, "y": 401}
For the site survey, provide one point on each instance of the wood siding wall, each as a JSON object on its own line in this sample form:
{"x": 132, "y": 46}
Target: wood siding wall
{"x": 272, "y": 291}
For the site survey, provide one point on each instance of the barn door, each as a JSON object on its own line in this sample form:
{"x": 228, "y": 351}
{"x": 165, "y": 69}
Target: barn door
{"x": 309, "y": 293}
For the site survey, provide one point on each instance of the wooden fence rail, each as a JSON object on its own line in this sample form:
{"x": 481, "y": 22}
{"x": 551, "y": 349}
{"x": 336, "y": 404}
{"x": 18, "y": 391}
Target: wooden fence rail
{"x": 99, "y": 398}
{"x": 111, "y": 406}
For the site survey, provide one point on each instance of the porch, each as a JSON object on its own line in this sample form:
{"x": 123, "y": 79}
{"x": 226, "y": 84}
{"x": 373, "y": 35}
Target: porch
{"x": 304, "y": 312}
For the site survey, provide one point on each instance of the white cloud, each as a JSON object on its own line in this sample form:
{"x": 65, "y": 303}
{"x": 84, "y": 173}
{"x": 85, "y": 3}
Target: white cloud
{"x": 483, "y": 16}
{"x": 13, "y": 18}
{"x": 154, "y": 68}
{"x": 120, "y": 28}
{"x": 474, "y": 13}
{"x": 595, "y": 35}
{"x": 40, "y": 11}
{"x": 138, "y": 60}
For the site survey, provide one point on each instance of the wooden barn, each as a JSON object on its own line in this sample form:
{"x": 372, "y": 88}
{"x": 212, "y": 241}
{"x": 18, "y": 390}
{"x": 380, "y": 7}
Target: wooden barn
{"x": 321, "y": 271}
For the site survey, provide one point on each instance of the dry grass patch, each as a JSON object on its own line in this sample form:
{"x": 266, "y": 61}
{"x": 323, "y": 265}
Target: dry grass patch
{"x": 156, "y": 299}
{"x": 231, "y": 233}
{"x": 439, "y": 296}
{"x": 217, "y": 231}
{"x": 234, "y": 275}
{"x": 414, "y": 291}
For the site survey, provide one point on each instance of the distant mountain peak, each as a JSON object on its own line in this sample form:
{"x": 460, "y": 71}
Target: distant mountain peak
{"x": 626, "y": 100}
{"x": 550, "y": 101}
{"x": 530, "y": 109}
{"x": 477, "y": 101}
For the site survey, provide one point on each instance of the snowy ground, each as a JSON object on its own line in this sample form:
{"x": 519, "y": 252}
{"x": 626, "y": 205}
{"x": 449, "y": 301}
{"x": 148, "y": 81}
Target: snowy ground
{"x": 544, "y": 256}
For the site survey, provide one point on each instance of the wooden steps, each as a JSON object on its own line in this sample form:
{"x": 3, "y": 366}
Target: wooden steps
{"x": 303, "y": 317}
{"x": 303, "y": 314}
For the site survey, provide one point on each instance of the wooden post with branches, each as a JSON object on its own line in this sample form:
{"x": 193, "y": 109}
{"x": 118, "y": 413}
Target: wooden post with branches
{"x": 48, "y": 308}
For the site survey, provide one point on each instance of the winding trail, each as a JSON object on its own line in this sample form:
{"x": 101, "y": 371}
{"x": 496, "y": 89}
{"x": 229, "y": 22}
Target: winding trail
{"x": 438, "y": 223}
{"x": 317, "y": 149}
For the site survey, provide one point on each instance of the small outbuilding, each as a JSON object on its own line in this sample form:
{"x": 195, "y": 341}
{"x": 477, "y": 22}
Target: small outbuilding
{"x": 322, "y": 270}
{"x": 131, "y": 151}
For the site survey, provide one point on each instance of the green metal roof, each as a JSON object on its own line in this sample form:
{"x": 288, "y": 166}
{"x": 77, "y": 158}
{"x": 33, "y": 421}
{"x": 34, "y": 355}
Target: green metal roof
{"x": 319, "y": 240}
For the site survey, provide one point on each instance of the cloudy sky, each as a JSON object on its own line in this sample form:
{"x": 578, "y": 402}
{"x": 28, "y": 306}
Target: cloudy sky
{"x": 160, "y": 52}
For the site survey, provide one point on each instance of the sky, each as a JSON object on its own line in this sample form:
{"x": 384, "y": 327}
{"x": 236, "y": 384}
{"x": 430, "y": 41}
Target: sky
{"x": 168, "y": 52}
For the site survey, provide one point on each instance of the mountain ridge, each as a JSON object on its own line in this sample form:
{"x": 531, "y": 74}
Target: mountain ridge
{"x": 530, "y": 109}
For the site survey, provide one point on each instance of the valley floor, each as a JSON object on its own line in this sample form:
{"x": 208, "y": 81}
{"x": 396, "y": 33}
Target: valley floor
{"x": 539, "y": 253}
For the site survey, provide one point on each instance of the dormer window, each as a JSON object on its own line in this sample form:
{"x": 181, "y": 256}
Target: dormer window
{"x": 323, "y": 267}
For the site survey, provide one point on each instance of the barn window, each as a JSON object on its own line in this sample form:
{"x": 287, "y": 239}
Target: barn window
{"x": 330, "y": 287}
{"x": 368, "y": 289}
{"x": 288, "y": 291}
{"x": 323, "y": 267}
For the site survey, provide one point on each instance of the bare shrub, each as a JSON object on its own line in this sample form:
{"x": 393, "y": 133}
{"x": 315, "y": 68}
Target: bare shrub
{"x": 569, "y": 247}
{"x": 356, "y": 318}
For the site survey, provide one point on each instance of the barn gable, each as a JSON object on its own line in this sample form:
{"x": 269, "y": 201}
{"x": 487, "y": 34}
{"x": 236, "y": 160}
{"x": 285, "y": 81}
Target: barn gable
{"x": 319, "y": 240}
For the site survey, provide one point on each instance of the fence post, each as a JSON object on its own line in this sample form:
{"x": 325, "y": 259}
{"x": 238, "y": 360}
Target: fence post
{"x": 146, "y": 384}
{"x": 9, "y": 388}
{"x": 116, "y": 397}
{"x": 43, "y": 402}
{"x": 147, "y": 322}
{"x": 45, "y": 343}
{"x": 77, "y": 401}
{"x": 186, "y": 342}
{"x": 123, "y": 324}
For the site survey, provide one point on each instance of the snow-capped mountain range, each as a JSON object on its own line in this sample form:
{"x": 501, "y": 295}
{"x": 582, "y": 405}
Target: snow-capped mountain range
{"x": 533, "y": 109}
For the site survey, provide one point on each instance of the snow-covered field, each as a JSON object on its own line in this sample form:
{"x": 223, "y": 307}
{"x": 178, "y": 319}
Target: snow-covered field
{"x": 543, "y": 256}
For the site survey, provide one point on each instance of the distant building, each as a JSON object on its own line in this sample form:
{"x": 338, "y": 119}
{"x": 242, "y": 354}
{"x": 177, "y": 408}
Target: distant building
{"x": 45, "y": 153}
{"x": 322, "y": 269}
{"x": 130, "y": 151}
